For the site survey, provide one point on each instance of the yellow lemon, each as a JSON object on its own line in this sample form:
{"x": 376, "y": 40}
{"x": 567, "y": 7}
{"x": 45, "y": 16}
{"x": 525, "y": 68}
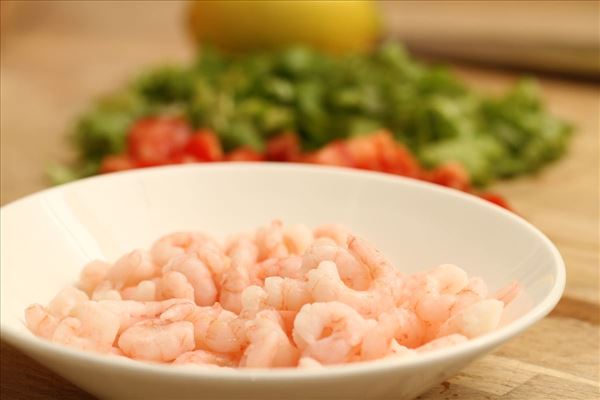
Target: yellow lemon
{"x": 335, "y": 26}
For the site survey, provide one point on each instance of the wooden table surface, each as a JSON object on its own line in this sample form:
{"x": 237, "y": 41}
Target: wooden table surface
{"x": 56, "y": 57}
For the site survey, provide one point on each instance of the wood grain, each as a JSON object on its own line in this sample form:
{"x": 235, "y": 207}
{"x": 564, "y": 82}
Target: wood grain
{"x": 56, "y": 56}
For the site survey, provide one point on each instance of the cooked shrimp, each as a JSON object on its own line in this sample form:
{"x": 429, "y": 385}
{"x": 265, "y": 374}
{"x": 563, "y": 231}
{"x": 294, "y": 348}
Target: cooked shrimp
{"x": 157, "y": 340}
{"x": 378, "y": 339}
{"x": 410, "y": 330}
{"x": 105, "y": 290}
{"x": 329, "y": 332}
{"x": 176, "y": 244}
{"x": 225, "y": 333}
{"x": 40, "y": 321}
{"x": 283, "y": 296}
{"x": 132, "y": 268}
{"x": 269, "y": 346}
{"x": 174, "y": 285}
{"x": 286, "y": 293}
{"x": 215, "y": 328}
{"x": 338, "y": 233}
{"x": 309, "y": 362}
{"x": 448, "y": 279}
{"x": 212, "y": 255}
{"x": 325, "y": 284}
{"x": 144, "y": 291}
{"x": 243, "y": 253}
{"x": 180, "y": 311}
{"x": 206, "y": 358}
{"x": 386, "y": 278}
{"x": 92, "y": 274}
{"x": 353, "y": 273}
{"x": 270, "y": 241}
{"x": 297, "y": 238}
{"x": 289, "y": 267}
{"x": 399, "y": 327}
{"x": 254, "y": 299}
{"x": 442, "y": 342}
{"x": 198, "y": 276}
{"x": 131, "y": 312}
{"x": 475, "y": 291}
{"x": 90, "y": 327}
{"x": 65, "y": 301}
{"x": 397, "y": 350}
{"x": 508, "y": 293}
{"x": 443, "y": 292}
{"x": 475, "y": 320}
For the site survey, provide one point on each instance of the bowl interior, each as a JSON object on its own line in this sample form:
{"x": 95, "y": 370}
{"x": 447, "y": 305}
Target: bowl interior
{"x": 48, "y": 237}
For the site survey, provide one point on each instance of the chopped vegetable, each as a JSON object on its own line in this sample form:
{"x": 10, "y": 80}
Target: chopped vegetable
{"x": 248, "y": 99}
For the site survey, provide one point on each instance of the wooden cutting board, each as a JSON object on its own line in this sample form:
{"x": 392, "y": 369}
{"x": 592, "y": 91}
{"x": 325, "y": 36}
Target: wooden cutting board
{"x": 51, "y": 68}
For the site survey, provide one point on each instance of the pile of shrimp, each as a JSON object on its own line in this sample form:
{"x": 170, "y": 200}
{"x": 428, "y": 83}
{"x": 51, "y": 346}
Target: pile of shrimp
{"x": 284, "y": 296}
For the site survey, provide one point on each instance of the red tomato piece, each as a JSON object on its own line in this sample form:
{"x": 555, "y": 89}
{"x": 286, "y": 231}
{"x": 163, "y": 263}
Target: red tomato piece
{"x": 283, "y": 147}
{"x": 364, "y": 152}
{"x": 335, "y": 153}
{"x": 244, "y": 154}
{"x": 496, "y": 199}
{"x": 394, "y": 158}
{"x": 451, "y": 175}
{"x": 157, "y": 140}
{"x": 204, "y": 145}
{"x": 115, "y": 163}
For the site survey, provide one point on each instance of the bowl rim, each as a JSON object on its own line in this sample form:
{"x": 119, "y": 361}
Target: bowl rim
{"x": 26, "y": 342}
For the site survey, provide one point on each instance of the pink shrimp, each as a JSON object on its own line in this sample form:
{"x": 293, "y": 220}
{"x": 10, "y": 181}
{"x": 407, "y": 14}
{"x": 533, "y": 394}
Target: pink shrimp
{"x": 286, "y": 293}
{"x": 215, "y": 329}
{"x": 91, "y": 327}
{"x": 157, "y": 340}
{"x": 174, "y": 284}
{"x": 297, "y": 238}
{"x": 92, "y": 274}
{"x": 508, "y": 293}
{"x": 282, "y": 298}
{"x": 105, "y": 290}
{"x": 143, "y": 291}
{"x": 225, "y": 333}
{"x": 386, "y": 278}
{"x": 378, "y": 339}
{"x": 269, "y": 346}
{"x": 441, "y": 293}
{"x": 198, "y": 276}
{"x": 289, "y": 267}
{"x": 329, "y": 332}
{"x": 243, "y": 253}
{"x": 325, "y": 284}
{"x": 309, "y": 363}
{"x": 132, "y": 268}
{"x": 40, "y": 321}
{"x": 176, "y": 244}
{"x": 353, "y": 273}
{"x": 442, "y": 342}
{"x": 270, "y": 241}
{"x": 399, "y": 327}
{"x": 131, "y": 312}
{"x": 338, "y": 233}
{"x": 206, "y": 358}
{"x": 397, "y": 350}
{"x": 475, "y": 291}
{"x": 475, "y": 320}
{"x": 65, "y": 301}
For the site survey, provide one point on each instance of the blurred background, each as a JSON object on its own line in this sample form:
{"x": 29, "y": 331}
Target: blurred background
{"x": 57, "y": 57}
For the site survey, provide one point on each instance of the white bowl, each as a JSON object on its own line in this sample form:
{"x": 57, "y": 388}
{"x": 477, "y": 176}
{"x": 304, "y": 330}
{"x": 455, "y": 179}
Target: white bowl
{"x": 47, "y": 237}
